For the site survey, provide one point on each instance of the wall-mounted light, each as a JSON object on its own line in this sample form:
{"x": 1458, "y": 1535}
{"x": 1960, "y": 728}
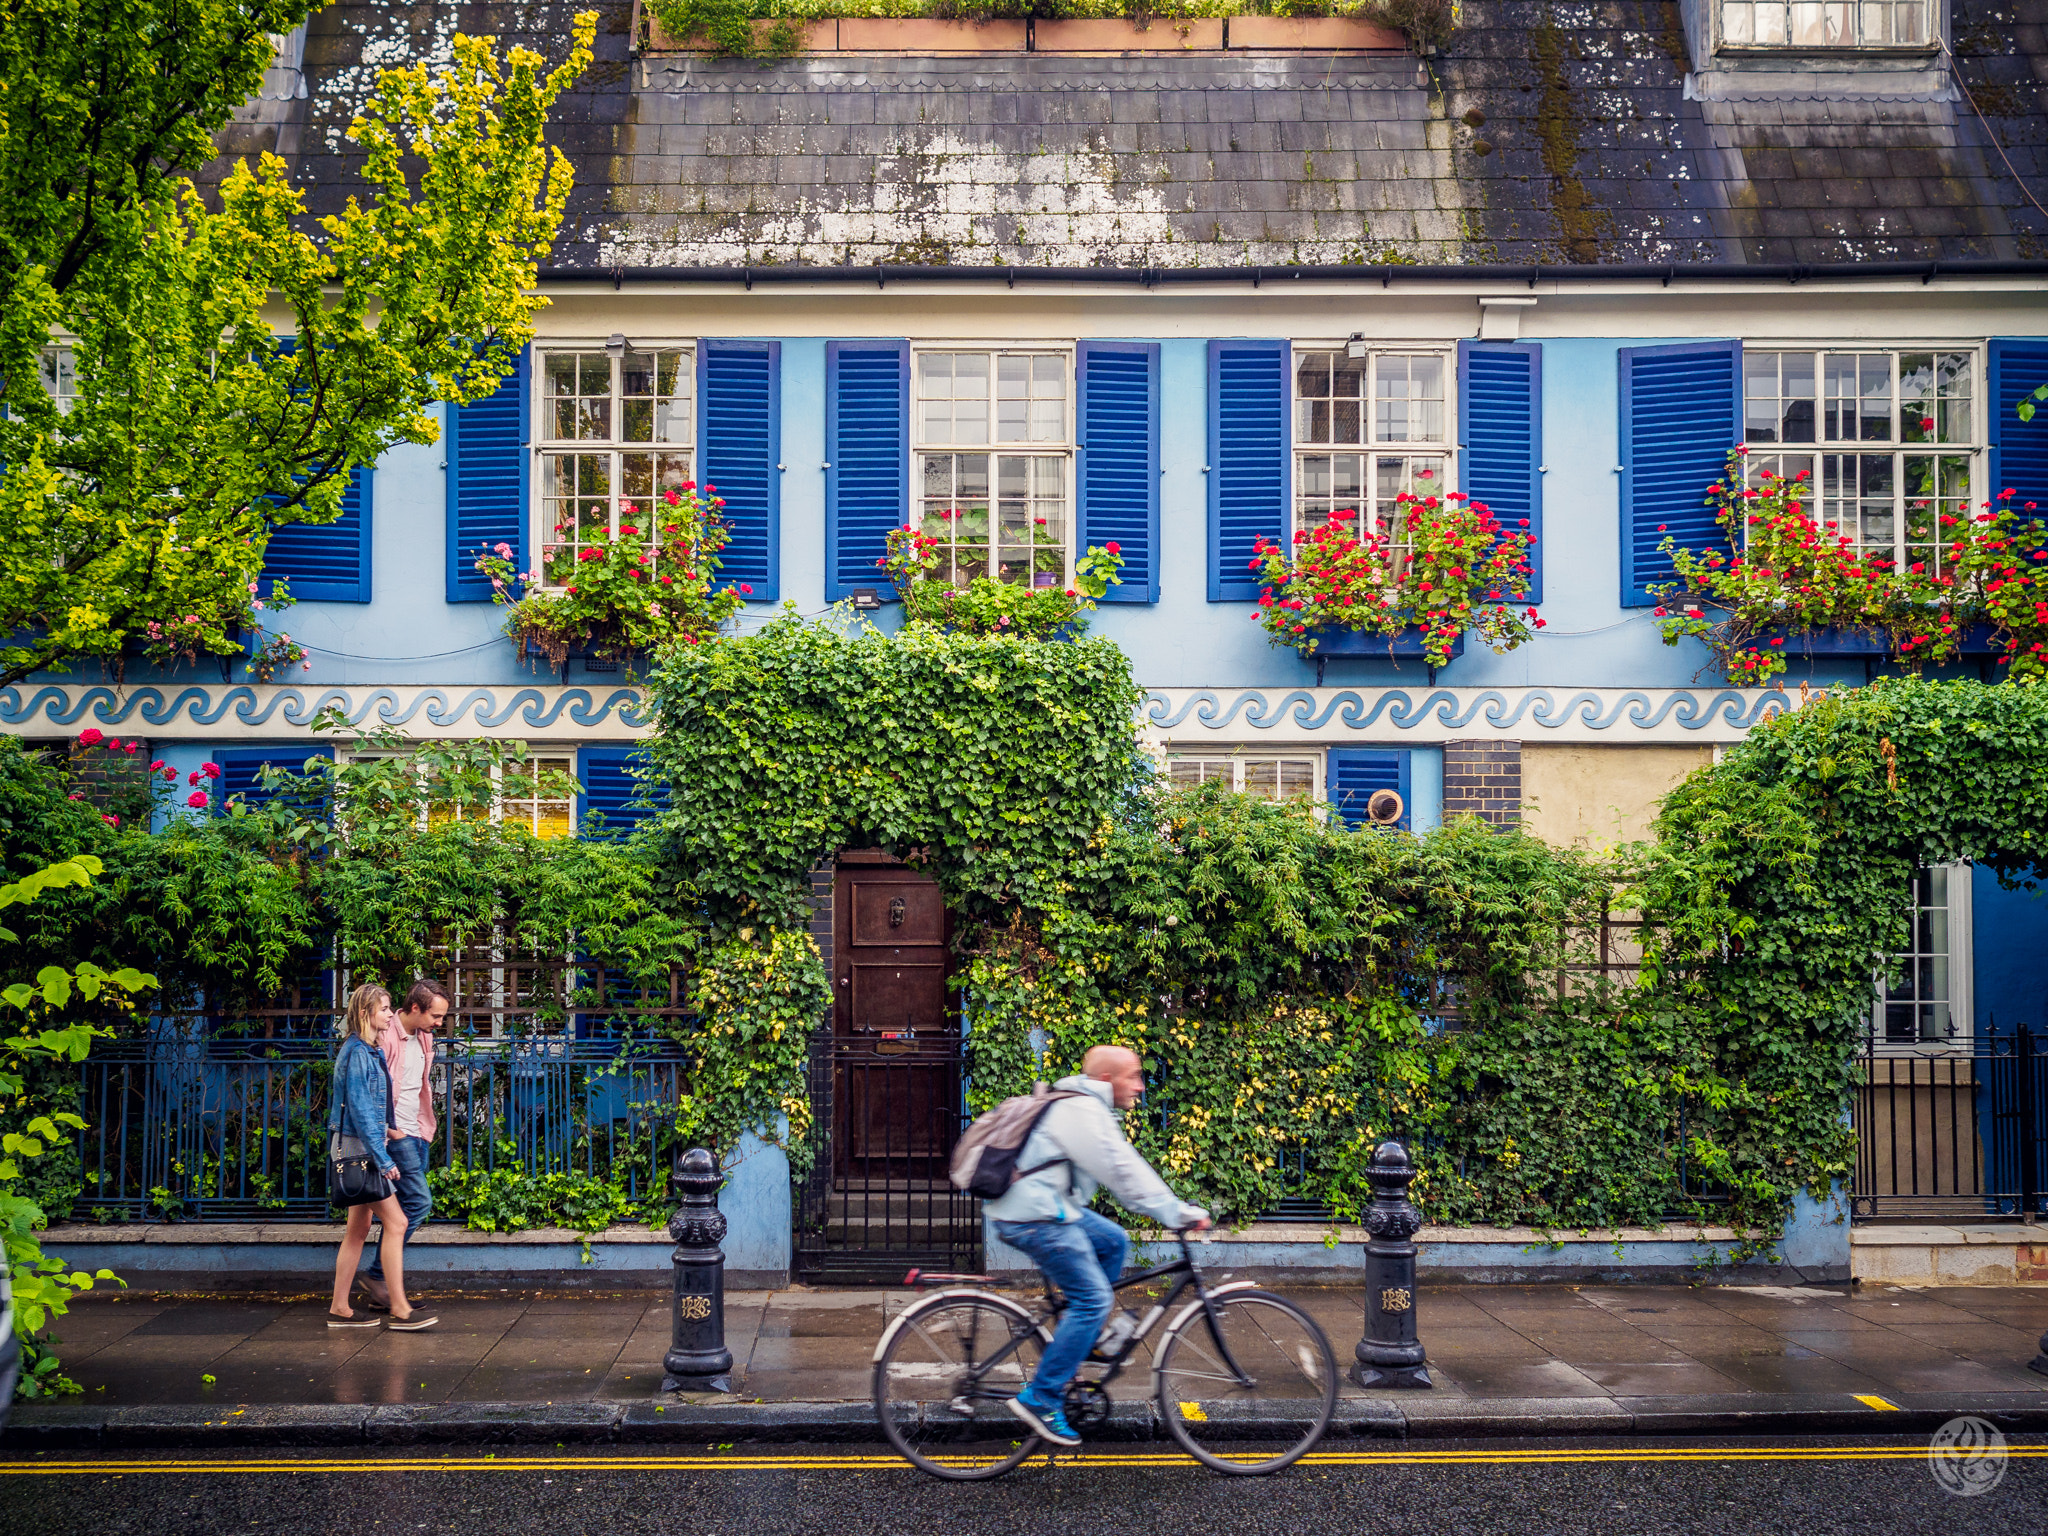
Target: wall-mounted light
{"x": 1355, "y": 347}
{"x": 865, "y": 599}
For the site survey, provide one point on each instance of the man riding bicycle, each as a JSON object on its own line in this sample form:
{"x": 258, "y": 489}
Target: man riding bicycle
{"x": 1077, "y": 1146}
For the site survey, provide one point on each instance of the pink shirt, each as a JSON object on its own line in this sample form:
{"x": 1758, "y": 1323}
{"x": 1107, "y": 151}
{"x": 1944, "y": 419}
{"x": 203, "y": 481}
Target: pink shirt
{"x": 392, "y": 1042}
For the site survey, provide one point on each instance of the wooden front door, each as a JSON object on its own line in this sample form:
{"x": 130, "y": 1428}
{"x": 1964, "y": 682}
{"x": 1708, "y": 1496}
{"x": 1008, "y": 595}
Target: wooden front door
{"x": 896, "y": 1032}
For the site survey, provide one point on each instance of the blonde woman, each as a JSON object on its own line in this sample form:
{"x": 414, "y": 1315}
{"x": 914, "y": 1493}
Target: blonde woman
{"x": 362, "y": 1108}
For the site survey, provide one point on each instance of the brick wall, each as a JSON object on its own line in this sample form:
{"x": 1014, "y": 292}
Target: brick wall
{"x": 821, "y": 909}
{"x": 1484, "y": 779}
{"x": 106, "y": 778}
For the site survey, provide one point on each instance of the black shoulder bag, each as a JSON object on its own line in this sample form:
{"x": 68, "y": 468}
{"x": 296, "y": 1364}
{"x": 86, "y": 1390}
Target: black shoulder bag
{"x": 352, "y": 1176}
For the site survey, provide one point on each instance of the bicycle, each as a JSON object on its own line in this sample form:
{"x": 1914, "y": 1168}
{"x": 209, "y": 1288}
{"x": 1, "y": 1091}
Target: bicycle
{"x": 1237, "y": 1366}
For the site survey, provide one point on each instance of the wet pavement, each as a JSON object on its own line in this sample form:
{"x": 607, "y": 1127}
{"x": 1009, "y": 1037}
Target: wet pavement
{"x": 802, "y": 1345}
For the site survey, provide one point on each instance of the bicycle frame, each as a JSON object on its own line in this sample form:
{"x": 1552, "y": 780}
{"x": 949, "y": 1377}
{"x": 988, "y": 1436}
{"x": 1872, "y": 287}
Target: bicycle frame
{"x": 1189, "y": 1273}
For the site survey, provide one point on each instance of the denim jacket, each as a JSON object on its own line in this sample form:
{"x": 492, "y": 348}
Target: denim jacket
{"x": 361, "y": 1104}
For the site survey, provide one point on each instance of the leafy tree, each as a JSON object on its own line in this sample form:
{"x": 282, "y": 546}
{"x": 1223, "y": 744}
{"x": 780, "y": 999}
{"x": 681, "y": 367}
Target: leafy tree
{"x": 157, "y": 429}
{"x": 42, "y": 1286}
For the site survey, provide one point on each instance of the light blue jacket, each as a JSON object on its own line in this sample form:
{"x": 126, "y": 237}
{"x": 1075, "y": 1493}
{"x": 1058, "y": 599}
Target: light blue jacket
{"x": 360, "y": 1100}
{"x": 1085, "y": 1145}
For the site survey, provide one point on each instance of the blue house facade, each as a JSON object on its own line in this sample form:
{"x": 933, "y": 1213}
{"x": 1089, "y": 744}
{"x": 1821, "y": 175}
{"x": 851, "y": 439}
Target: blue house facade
{"x": 1186, "y": 299}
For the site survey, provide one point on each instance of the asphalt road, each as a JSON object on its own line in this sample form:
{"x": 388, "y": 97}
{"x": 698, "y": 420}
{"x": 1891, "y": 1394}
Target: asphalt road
{"x": 1782, "y": 1488}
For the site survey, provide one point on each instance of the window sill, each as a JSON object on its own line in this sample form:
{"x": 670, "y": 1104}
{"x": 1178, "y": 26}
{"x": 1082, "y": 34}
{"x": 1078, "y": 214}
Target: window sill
{"x": 1876, "y": 51}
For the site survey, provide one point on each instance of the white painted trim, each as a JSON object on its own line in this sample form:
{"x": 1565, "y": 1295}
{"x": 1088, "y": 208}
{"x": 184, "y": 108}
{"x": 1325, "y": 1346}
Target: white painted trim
{"x": 1191, "y": 718}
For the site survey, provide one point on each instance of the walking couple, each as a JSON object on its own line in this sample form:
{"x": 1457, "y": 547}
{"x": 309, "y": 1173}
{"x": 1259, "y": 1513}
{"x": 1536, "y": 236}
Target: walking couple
{"x": 383, "y": 1097}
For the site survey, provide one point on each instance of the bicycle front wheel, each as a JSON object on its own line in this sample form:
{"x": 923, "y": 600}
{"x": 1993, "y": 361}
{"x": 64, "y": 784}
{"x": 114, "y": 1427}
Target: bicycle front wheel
{"x": 943, "y": 1381}
{"x": 1248, "y": 1387}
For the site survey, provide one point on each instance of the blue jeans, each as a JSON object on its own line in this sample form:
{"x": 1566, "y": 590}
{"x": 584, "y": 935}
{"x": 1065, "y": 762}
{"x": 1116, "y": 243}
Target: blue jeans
{"x": 1081, "y": 1258}
{"x": 410, "y": 1153}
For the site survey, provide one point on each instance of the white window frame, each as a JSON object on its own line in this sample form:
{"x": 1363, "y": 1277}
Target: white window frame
{"x": 1066, "y": 449}
{"x": 55, "y": 366}
{"x": 541, "y": 520}
{"x": 1368, "y": 449}
{"x": 1238, "y": 757}
{"x": 1975, "y": 449}
{"x": 496, "y": 816}
{"x": 1961, "y": 967}
{"x": 1852, "y": 13}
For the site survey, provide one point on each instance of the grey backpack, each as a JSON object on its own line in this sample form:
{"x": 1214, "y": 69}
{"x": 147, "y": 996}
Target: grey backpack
{"x": 985, "y": 1158}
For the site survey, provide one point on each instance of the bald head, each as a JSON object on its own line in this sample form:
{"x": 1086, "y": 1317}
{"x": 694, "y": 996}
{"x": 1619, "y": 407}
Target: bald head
{"x": 1118, "y": 1066}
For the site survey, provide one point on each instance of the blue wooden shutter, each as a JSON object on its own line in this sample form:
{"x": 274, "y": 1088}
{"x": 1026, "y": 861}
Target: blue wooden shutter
{"x": 1118, "y": 473}
{"x": 1249, "y": 468}
{"x": 2019, "y": 449}
{"x": 241, "y": 770}
{"x": 1681, "y": 411}
{"x": 328, "y": 562}
{"x": 1500, "y": 438}
{"x": 867, "y": 459}
{"x": 1354, "y": 774}
{"x": 488, "y": 474}
{"x": 612, "y": 784}
{"x": 739, "y": 433}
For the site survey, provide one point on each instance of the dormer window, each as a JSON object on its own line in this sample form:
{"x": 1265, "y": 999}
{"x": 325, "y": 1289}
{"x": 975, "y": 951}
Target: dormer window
{"x": 1811, "y": 24}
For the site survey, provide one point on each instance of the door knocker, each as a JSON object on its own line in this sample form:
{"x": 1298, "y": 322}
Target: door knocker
{"x": 896, "y": 913}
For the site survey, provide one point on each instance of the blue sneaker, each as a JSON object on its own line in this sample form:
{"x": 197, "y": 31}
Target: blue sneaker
{"x": 1048, "y": 1422}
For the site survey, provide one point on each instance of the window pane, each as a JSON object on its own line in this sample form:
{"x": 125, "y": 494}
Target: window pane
{"x": 1409, "y": 403}
{"x": 1261, "y": 778}
{"x": 1031, "y": 520}
{"x": 577, "y": 396}
{"x": 953, "y": 397}
{"x": 1938, "y": 498}
{"x": 1738, "y": 26}
{"x": 1770, "y": 23}
{"x": 1874, "y": 389}
{"x": 60, "y": 377}
{"x": 1917, "y": 1007}
{"x": 523, "y": 804}
{"x": 576, "y": 500}
{"x": 649, "y": 409}
{"x": 1312, "y": 397}
{"x": 1297, "y": 777}
{"x": 956, "y": 513}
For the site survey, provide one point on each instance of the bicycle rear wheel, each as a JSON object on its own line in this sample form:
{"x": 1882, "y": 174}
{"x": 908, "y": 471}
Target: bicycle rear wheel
{"x": 1254, "y": 1391}
{"x": 940, "y": 1403}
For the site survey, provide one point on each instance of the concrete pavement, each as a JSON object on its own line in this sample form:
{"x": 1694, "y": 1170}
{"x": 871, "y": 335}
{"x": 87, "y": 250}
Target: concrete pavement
{"x": 1506, "y": 1358}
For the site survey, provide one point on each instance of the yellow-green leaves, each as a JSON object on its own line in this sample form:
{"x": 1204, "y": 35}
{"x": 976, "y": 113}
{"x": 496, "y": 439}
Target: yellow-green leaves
{"x": 137, "y": 514}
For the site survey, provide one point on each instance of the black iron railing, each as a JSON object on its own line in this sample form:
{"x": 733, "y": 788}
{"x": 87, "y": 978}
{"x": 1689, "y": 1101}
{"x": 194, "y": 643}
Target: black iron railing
{"x": 1952, "y": 1130}
{"x": 222, "y": 1114}
{"x": 877, "y": 1199}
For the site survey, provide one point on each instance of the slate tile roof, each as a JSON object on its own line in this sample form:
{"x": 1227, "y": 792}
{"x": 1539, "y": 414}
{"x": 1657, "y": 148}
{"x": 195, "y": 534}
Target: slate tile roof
{"x": 1548, "y": 133}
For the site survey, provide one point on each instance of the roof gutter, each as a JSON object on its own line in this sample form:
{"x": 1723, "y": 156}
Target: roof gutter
{"x": 883, "y": 273}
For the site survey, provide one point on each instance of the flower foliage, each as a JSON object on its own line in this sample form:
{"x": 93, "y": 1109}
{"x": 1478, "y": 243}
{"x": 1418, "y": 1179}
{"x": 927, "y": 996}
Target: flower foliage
{"x": 1444, "y": 565}
{"x": 1783, "y": 574}
{"x": 981, "y": 606}
{"x": 652, "y": 583}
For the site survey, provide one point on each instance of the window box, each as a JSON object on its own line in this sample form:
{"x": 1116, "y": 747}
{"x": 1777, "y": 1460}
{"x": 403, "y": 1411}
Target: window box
{"x": 1407, "y": 645}
{"x": 1361, "y": 645}
{"x": 1979, "y": 642}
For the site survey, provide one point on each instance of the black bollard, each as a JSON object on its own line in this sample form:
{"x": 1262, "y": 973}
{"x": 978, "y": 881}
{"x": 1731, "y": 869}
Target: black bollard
{"x": 697, "y": 1360}
{"x": 1389, "y": 1354}
{"x": 2040, "y": 1360}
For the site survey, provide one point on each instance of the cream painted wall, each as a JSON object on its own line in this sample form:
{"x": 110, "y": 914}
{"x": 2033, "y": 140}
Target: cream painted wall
{"x": 1594, "y": 797}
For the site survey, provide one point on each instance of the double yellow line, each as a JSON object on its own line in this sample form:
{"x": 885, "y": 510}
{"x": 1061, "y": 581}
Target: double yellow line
{"x": 1086, "y": 1462}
